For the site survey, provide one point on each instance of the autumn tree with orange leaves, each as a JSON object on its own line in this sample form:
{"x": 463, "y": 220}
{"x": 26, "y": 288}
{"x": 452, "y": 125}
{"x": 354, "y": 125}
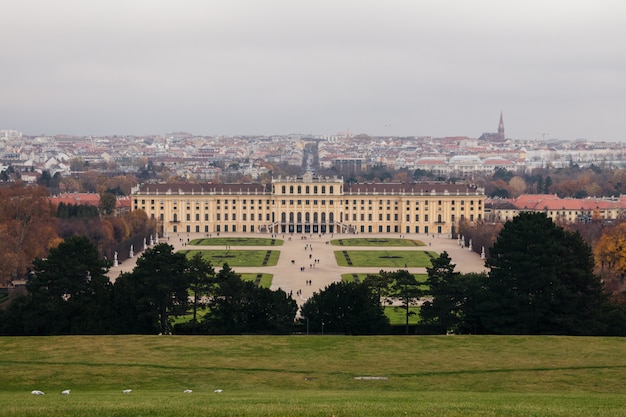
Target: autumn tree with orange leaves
{"x": 28, "y": 228}
{"x": 610, "y": 251}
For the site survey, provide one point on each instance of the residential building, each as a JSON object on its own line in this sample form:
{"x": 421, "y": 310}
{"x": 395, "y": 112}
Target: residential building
{"x": 566, "y": 210}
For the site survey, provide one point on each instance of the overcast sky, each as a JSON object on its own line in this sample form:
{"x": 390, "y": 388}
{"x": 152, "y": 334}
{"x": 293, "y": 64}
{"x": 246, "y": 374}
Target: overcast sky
{"x": 555, "y": 68}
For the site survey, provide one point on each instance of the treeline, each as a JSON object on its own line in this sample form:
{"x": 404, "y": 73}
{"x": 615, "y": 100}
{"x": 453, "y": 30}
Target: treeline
{"x": 69, "y": 210}
{"x": 607, "y": 240}
{"x": 541, "y": 281}
{"x": 69, "y": 293}
{"x": 28, "y": 228}
{"x": 30, "y": 225}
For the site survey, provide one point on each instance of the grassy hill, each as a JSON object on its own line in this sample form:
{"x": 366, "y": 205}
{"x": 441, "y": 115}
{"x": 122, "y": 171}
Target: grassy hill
{"x": 313, "y": 376}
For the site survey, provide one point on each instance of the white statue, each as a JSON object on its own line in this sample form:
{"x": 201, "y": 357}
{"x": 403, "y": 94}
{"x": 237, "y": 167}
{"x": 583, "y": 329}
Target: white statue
{"x": 115, "y": 258}
{"x": 132, "y": 252}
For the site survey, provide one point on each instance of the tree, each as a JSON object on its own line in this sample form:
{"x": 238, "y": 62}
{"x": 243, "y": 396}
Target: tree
{"x": 28, "y": 228}
{"x": 133, "y": 312}
{"x": 444, "y": 310}
{"x": 137, "y": 221}
{"x": 610, "y": 251}
{"x": 160, "y": 282}
{"x": 68, "y": 293}
{"x": 379, "y": 284}
{"x": 201, "y": 281}
{"x": 541, "y": 281}
{"x": 547, "y": 185}
{"x": 45, "y": 179}
{"x": 107, "y": 203}
{"x": 517, "y": 186}
{"x": 239, "y": 307}
{"x": 346, "y": 308}
{"x": 404, "y": 288}
{"x": 502, "y": 174}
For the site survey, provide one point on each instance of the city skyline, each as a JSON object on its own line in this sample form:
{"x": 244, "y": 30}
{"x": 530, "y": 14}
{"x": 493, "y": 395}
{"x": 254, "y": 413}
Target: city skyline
{"x": 397, "y": 68}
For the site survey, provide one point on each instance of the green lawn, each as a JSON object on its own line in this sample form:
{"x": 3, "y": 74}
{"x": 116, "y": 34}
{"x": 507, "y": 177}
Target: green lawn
{"x": 386, "y": 258}
{"x": 313, "y": 376}
{"x": 376, "y": 241}
{"x": 237, "y": 241}
{"x": 237, "y": 257}
{"x": 397, "y": 315}
{"x": 361, "y": 277}
{"x": 265, "y": 282}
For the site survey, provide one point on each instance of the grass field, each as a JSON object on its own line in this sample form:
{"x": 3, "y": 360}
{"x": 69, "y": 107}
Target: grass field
{"x": 237, "y": 241}
{"x": 265, "y": 282}
{"x": 313, "y": 376}
{"x": 238, "y": 257}
{"x": 378, "y": 242}
{"x": 386, "y": 258}
{"x": 397, "y": 315}
{"x": 361, "y": 277}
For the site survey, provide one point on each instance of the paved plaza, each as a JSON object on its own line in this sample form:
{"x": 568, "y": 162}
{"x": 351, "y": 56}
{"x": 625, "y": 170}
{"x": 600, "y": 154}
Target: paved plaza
{"x": 296, "y": 264}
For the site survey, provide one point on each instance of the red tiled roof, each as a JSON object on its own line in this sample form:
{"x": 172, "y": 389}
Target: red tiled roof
{"x": 553, "y": 202}
{"x": 431, "y": 162}
{"x": 76, "y": 198}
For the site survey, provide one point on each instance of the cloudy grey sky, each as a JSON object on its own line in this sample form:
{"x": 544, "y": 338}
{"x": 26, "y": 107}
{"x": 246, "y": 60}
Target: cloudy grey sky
{"x": 384, "y": 67}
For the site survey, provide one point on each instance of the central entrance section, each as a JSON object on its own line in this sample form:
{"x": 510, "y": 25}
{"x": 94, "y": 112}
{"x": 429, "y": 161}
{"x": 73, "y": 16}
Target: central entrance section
{"x": 308, "y": 204}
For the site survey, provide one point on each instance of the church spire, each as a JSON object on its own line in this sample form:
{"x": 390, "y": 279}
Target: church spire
{"x": 501, "y": 128}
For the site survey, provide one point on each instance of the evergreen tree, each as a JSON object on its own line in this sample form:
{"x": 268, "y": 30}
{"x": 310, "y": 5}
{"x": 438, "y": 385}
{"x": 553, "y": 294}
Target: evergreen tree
{"x": 444, "y": 311}
{"x": 379, "y": 284}
{"x": 405, "y": 288}
{"x": 239, "y": 307}
{"x": 346, "y": 308}
{"x": 160, "y": 282}
{"x": 68, "y": 293}
{"x": 547, "y": 185}
{"x": 201, "y": 281}
{"x": 541, "y": 281}
{"x": 134, "y": 313}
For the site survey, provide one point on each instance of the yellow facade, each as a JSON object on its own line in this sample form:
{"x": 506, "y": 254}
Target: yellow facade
{"x": 310, "y": 205}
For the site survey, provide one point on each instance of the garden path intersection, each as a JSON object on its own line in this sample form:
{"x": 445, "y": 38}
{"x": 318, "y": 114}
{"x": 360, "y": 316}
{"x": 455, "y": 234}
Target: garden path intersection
{"x": 297, "y": 271}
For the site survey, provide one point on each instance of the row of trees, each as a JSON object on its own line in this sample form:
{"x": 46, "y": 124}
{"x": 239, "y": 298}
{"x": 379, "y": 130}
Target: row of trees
{"x": 541, "y": 281}
{"x": 572, "y": 181}
{"x": 30, "y": 225}
{"x": 28, "y": 228}
{"x": 607, "y": 239}
{"x": 69, "y": 293}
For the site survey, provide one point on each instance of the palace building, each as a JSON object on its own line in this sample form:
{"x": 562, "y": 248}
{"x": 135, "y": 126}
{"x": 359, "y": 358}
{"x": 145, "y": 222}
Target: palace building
{"x": 309, "y": 204}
